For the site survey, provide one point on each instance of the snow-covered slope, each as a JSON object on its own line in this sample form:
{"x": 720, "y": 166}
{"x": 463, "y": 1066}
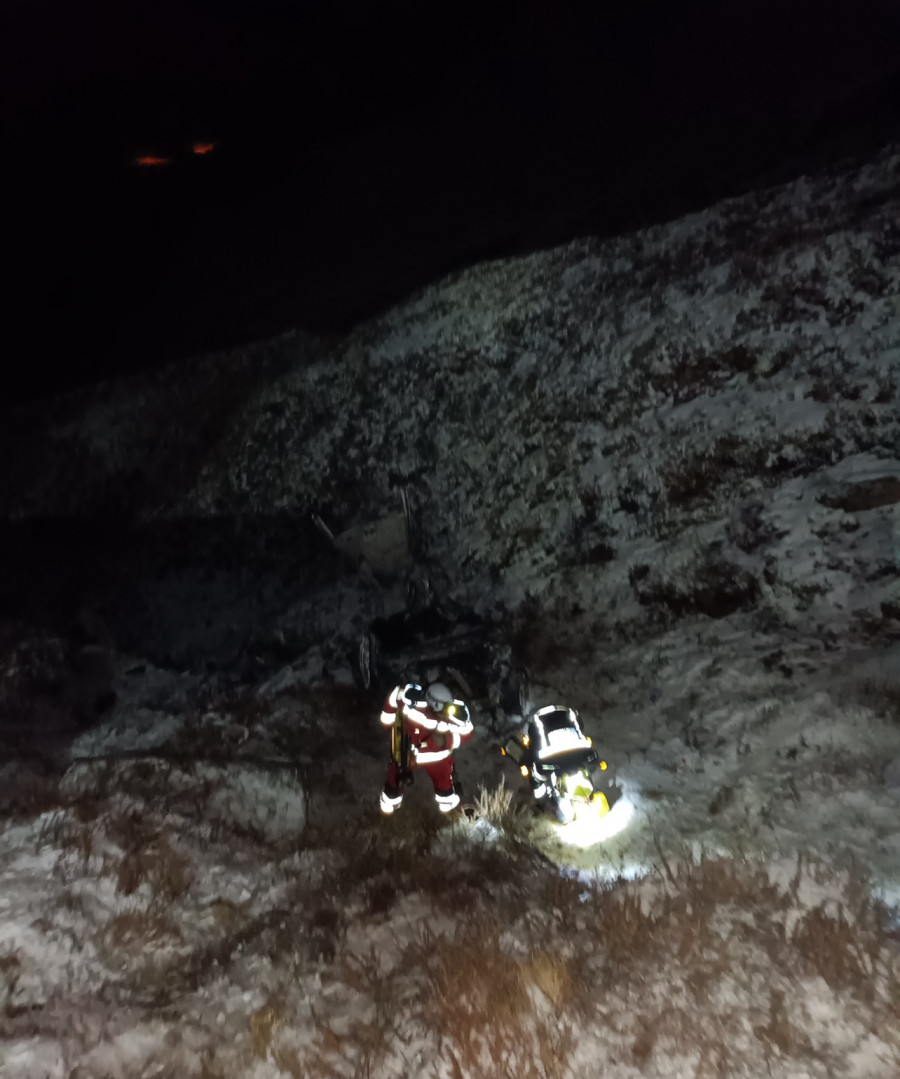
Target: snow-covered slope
{"x": 701, "y": 416}
{"x": 671, "y": 462}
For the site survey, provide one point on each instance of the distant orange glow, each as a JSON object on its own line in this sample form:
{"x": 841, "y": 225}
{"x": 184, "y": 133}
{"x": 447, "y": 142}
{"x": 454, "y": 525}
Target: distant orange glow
{"x": 149, "y": 160}
{"x": 203, "y": 147}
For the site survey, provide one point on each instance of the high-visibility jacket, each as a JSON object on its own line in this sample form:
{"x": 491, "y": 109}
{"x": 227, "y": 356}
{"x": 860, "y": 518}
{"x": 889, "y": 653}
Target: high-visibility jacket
{"x": 433, "y": 736}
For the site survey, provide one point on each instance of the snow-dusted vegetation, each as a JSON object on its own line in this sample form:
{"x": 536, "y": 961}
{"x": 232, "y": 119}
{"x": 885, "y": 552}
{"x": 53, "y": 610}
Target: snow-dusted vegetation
{"x": 669, "y": 464}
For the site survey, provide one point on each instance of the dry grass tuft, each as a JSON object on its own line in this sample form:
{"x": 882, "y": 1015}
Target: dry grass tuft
{"x": 290, "y": 1063}
{"x": 138, "y": 928}
{"x": 400, "y": 857}
{"x": 366, "y": 975}
{"x": 830, "y": 947}
{"x": 502, "y": 807}
{"x": 63, "y": 833}
{"x": 164, "y": 870}
{"x": 645, "y": 1040}
{"x": 359, "y": 1052}
{"x": 28, "y": 790}
{"x": 621, "y": 927}
{"x": 326, "y": 928}
{"x": 779, "y": 1031}
{"x": 479, "y": 1003}
{"x": 211, "y": 1067}
{"x": 549, "y": 972}
{"x": 10, "y": 972}
{"x": 883, "y": 697}
{"x": 473, "y": 982}
{"x": 263, "y": 1023}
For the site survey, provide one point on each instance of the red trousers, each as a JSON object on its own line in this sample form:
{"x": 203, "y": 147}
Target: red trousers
{"x": 440, "y": 773}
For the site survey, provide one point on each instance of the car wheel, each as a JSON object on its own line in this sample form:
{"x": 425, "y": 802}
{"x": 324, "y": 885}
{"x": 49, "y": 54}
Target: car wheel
{"x": 514, "y": 694}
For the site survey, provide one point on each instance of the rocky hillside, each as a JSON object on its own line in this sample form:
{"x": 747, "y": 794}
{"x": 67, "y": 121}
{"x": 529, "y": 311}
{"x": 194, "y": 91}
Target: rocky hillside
{"x": 699, "y": 418}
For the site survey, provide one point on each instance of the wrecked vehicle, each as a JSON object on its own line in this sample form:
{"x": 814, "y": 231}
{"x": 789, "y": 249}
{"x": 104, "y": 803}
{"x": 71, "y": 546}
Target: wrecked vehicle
{"x": 450, "y": 644}
{"x": 427, "y": 640}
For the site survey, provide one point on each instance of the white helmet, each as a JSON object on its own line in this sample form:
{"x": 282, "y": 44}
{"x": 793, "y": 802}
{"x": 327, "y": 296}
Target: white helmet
{"x": 438, "y": 696}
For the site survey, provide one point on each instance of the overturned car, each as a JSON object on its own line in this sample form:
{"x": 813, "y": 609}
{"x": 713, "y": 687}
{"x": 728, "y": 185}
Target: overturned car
{"x": 454, "y": 645}
{"x": 428, "y": 640}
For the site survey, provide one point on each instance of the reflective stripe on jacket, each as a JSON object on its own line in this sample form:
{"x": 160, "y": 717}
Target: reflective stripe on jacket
{"x": 423, "y": 724}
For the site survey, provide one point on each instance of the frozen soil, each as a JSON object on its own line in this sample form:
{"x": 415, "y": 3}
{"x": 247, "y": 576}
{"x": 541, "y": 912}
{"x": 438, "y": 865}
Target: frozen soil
{"x": 220, "y": 898}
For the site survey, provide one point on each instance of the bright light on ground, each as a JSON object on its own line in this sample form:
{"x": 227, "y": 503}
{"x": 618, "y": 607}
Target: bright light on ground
{"x": 589, "y": 827}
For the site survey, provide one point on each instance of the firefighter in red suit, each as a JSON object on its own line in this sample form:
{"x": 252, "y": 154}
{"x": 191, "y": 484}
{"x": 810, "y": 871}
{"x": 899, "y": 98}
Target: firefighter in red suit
{"x": 437, "y": 724}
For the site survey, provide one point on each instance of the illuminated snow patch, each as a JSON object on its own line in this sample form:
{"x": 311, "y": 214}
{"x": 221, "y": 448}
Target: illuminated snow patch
{"x": 479, "y": 830}
{"x": 589, "y": 828}
{"x": 483, "y": 830}
{"x": 606, "y": 874}
{"x": 890, "y": 897}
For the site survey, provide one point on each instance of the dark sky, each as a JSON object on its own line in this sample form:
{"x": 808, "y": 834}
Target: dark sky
{"x": 362, "y": 148}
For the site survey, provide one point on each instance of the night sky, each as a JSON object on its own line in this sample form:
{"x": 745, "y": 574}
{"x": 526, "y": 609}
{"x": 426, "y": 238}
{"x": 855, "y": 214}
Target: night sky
{"x": 362, "y": 149}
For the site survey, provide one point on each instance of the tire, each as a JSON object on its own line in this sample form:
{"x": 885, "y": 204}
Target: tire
{"x": 514, "y": 694}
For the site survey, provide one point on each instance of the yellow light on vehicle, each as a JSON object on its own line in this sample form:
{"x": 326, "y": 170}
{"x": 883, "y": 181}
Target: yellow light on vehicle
{"x": 603, "y": 766}
{"x": 524, "y": 769}
{"x": 526, "y": 741}
{"x": 590, "y": 741}
{"x": 451, "y": 709}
